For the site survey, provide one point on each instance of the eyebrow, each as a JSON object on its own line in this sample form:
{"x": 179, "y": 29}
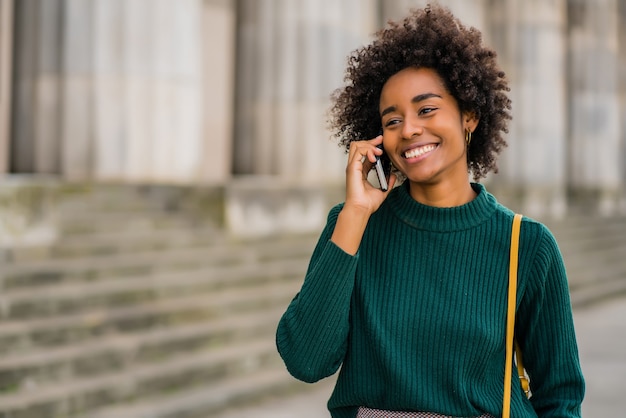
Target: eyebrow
{"x": 416, "y": 99}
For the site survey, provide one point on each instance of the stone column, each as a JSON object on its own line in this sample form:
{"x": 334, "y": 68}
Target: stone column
{"x": 78, "y": 92}
{"x": 163, "y": 89}
{"x": 291, "y": 56}
{"x": 596, "y": 167}
{"x": 110, "y": 90}
{"x": 622, "y": 94}
{"x": 110, "y": 114}
{"x": 6, "y": 50}
{"x": 218, "y": 69}
{"x": 528, "y": 37}
{"x": 155, "y": 70}
{"x": 37, "y": 88}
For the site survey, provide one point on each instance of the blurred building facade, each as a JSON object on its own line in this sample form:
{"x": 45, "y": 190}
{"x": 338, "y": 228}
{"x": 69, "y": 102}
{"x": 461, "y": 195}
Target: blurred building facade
{"x": 234, "y": 93}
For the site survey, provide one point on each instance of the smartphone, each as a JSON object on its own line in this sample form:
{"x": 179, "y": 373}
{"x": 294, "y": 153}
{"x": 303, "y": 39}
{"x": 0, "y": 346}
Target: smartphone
{"x": 381, "y": 172}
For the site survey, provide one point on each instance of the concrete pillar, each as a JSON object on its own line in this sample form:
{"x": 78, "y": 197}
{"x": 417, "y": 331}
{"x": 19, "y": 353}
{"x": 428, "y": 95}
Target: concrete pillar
{"x": 145, "y": 91}
{"x": 51, "y": 93}
{"x": 162, "y": 90}
{"x": 622, "y": 94}
{"x": 218, "y": 71}
{"x": 6, "y": 50}
{"x": 36, "y": 109}
{"x": 23, "y": 107}
{"x": 48, "y": 83}
{"x": 78, "y": 93}
{"x": 111, "y": 90}
{"x": 596, "y": 167}
{"x": 138, "y": 57}
{"x": 110, "y": 112}
{"x": 528, "y": 37}
{"x": 292, "y": 55}
{"x": 323, "y": 23}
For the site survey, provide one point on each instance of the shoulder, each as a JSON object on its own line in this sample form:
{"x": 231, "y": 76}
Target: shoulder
{"x": 532, "y": 231}
{"x": 537, "y": 234}
{"x": 537, "y": 242}
{"x": 541, "y": 260}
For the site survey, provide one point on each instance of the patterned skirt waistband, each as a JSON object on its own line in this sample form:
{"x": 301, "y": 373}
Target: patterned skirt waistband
{"x": 378, "y": 413}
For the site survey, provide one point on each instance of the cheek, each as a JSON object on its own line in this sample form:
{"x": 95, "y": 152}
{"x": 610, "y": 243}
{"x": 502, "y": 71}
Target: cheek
{"x": 395, "y": 160}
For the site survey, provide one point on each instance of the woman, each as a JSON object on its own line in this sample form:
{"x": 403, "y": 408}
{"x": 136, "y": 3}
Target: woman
{"x": 406, "y": 290}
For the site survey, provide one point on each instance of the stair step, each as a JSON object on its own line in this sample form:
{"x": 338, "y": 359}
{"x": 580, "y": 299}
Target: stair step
{"x": 123, "y": 223}
{"x": 116, "y": 243}
{"x": 88, "y": 198}
{"x": 205, "y": 401}
{"x": 182, "y": 373}
{"x": 588, "y": 267}
{"x": 25, "y": 302}
{"x": 608, "y": 287}
{"x": 591, "y": 238}
{"x": 578, "y": 223}
{"x": 21, "y": 371}
{"x": 588, "y": 225}
{"x": 35, "y": 334}
{"x": 99, "y": 267}
{"x": 588, "y": 234}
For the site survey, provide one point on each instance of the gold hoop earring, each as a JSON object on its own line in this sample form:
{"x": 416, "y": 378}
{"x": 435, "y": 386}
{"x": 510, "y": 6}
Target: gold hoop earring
{"x": 468, "y": 137}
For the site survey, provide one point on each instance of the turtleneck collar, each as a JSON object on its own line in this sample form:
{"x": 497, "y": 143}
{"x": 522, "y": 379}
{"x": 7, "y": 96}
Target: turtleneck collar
{"x": 437, "y": 219}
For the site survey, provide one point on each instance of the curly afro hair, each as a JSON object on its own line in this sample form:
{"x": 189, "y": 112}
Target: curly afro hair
{"x": 432, "y": 38}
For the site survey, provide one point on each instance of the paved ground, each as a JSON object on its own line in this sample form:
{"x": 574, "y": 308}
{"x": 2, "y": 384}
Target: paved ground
{"x": 310, "y": 404}
{"x": 601, "y": 332}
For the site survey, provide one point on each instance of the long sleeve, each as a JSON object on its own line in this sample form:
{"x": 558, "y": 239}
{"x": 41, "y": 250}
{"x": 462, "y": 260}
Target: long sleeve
{"x": 312, "y": 334}
{"x": 547, "y": 337}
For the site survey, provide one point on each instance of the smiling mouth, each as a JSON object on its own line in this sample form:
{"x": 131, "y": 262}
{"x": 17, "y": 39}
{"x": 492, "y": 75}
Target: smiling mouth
{"x": 419, "y": 151}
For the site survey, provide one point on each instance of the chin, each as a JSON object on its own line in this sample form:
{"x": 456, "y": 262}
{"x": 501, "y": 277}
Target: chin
{"x": 422, "y": 178}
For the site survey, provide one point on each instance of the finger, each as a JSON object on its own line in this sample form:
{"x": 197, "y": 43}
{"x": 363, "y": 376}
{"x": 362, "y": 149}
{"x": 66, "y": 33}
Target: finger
{"x": 373, "y": 153}
{"x": 367, "y": 167}
{"x": 376, "y": 140}
{"x": 358, "y": 153}
{"x": 376, "y": 151}
{"x": 365, "y": 149}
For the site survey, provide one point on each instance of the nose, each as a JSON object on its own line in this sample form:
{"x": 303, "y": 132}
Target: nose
{"x": 411, "y": 127}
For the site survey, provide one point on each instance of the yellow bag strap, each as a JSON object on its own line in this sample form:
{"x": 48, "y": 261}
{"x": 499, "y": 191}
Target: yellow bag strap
{"x": 510, "y": 316}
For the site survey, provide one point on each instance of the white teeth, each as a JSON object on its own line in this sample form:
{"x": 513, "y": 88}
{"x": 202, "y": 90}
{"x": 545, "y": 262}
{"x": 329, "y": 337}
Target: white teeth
{"x": 416, "y": 152}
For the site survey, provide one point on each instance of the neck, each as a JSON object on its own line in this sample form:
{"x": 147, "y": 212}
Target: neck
{"x": 442, "y": 195}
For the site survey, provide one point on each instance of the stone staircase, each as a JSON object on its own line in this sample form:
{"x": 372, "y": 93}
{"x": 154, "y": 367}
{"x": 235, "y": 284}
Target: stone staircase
{"x": 143, "y": 309}
{"x": 140, "y": 311}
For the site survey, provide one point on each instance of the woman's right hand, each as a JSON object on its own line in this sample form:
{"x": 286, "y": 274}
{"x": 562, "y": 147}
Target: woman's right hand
{"x": 362, "y": 198}
{"x": 360, "y": 193}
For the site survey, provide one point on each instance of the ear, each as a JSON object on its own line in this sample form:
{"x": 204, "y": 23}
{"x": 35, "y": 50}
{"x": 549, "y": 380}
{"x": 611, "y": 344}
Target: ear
{"x": 470, "y": 121}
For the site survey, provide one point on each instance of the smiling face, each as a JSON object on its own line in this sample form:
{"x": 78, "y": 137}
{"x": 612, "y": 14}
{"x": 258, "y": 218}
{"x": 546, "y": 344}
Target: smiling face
{"x": 423, "y": 129}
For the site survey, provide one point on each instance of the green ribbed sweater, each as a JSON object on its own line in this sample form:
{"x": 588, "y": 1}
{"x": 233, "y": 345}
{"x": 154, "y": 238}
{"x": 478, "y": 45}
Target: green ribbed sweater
{"x": 416, "y": 319}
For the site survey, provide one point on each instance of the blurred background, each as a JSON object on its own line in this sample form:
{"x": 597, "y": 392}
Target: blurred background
{"x": 166, "y": 168}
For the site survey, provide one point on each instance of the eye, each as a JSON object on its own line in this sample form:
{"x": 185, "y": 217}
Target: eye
{"x": 426, "y": 110}
{"x": 392, "y": 122}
